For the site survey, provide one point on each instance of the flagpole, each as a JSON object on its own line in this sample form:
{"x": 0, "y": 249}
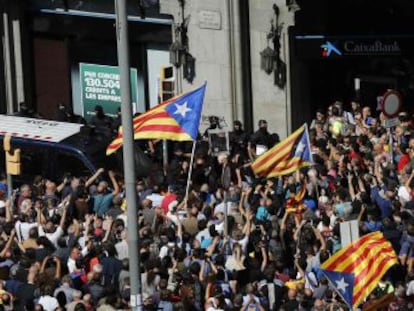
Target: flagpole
{"x": 314, "y": 181}
{"x": 190, "y": 171}
{"x": 308, "y": 140}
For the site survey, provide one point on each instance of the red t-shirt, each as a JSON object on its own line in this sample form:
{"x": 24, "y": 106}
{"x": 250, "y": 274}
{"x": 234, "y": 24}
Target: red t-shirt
{"x": 404, "y": 160}
{"x": 167, "y": 200}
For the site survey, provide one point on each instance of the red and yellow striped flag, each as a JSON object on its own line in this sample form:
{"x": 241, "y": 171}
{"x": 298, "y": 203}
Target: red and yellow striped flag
{"x": 286, "y": 157}
{"x": 356, "y": 269}
{"x": 176, "y": 119}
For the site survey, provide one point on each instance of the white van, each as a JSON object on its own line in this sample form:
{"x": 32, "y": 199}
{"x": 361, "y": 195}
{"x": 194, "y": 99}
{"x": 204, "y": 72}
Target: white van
{"x": 52, "y": 149}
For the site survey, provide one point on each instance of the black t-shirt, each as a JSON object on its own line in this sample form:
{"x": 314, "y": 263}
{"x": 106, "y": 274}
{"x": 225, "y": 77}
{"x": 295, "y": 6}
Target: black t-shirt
{"x": 291, "y": 305}
{"x": 261, "y": 137}
{"x": 25, "y": 297}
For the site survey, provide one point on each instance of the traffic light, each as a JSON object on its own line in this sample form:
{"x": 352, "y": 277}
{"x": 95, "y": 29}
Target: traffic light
{"x": 13, "y": 166}
{"x": 167, "y": 83}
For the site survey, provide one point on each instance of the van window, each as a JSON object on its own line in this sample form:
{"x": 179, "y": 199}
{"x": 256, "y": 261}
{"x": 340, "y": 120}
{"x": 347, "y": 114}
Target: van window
{"x": 34, "y": 161}
{"x": 69, "y": 163}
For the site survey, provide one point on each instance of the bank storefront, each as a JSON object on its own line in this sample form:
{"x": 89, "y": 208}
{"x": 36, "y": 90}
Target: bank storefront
{"x": 328, "y": 68}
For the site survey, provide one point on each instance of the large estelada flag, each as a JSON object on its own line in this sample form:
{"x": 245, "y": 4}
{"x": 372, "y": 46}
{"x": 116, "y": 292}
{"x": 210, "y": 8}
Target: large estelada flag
{"x": 355, "y": 270}
{"x": 286, "y": 157}
{"x": 176, "y": 119}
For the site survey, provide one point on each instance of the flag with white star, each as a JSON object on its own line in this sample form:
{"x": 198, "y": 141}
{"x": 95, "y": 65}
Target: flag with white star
{"x": 356, "y": 269}
{"x": 286, "y": 157}
{"x": 176, "y": 119}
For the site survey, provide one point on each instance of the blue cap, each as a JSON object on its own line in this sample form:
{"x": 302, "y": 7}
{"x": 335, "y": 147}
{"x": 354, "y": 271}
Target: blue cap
{"x": 310, "y": 204}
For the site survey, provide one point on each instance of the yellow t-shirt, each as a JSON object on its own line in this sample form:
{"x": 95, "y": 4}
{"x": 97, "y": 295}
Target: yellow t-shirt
{"x": 293, "y": 284}
{"x": 337, "y": 128}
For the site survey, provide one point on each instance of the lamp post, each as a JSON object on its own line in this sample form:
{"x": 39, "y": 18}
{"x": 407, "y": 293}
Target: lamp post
{"x": 128, "y": 149}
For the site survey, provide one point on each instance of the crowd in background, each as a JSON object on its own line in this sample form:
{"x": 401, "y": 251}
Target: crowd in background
{"x": 233, "y": 244}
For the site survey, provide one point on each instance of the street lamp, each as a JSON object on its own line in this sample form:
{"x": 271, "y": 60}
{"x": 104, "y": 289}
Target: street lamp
{"x": 176, "y": 52}
{"x": 189, "y": 67}
{"x": 179, "y": 49}
{"x": 267, "y": 62}
{"x": 270, "y": 57}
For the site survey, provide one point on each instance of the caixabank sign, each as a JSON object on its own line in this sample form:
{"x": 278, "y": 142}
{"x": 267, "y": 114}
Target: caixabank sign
{"x": 331, "y": 47}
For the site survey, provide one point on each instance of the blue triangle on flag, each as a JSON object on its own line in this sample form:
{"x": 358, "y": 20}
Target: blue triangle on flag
{"x": 302, "y": 148}
{"x": 344, "y": 284}
{"x": 186, "y": 110}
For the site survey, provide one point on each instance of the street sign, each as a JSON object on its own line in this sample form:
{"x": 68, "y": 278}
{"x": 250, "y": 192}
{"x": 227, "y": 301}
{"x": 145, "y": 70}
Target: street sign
{"x": 388, "y": 123}
{"x": 391, "y": 103}
{"x": 100, "y": 85}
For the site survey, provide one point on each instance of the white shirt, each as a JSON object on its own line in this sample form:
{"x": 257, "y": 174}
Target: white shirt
{"x": 166, "y": 249}
{"x": 49, "y": 303}
{"x": 54, "y": 236}
{"x": 122, "y": 249}
{"x": 71, "y": 265}
{"x": 156, "y": 199}
{"x": 410, "y": 288}
{"x": 403, "y": 194}
{"x": 23, "y": 228}
{"x": 243, "y": 243}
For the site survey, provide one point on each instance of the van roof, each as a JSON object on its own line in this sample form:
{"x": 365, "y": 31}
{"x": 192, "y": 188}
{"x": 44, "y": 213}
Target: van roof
{"x": 37, "y": 129}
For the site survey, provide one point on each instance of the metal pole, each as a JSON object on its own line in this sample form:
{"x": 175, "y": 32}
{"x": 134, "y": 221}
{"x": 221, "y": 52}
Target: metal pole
{"x": 10, "y": 189}
{"x": 165, "y": 155}
{"x": 18, "y": 60}
{"x": 390, "y": 144}
{"x": 7, "y": 64}
{"x": 128, "y": 149}
{"x": 226, "y": 223}
{"x": 232, "y": 53}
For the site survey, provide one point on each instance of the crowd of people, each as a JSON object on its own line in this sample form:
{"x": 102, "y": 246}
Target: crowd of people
{"x": 234, "y": 243}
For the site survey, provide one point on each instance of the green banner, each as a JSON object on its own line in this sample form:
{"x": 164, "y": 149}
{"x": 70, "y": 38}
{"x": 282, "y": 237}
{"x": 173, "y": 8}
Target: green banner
{"x": 100, "y": 85}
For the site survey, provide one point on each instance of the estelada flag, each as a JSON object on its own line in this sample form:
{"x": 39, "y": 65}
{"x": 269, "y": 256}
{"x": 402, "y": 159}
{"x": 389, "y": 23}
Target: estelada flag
{"x": 288, "y": 156}
{"x": 176, "y": 119}
{"x": 356, "y": 269}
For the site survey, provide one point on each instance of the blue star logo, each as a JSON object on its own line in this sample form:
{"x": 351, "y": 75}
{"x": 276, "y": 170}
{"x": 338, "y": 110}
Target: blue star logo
{"x": 329, "y": 48}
